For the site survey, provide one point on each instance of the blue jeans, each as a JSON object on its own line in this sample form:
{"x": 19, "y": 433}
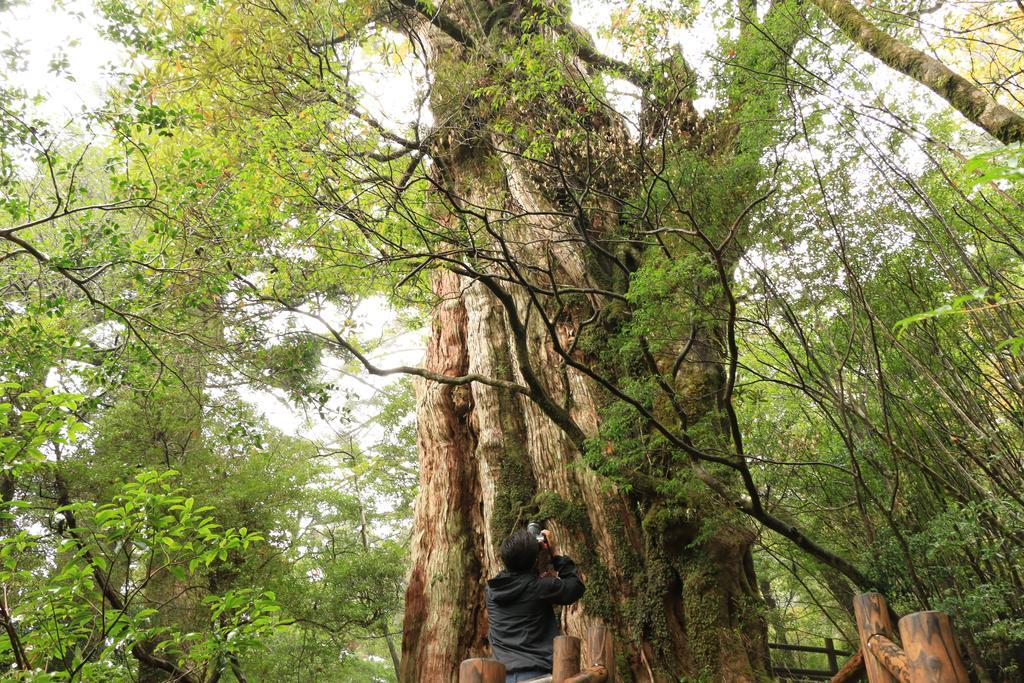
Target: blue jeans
{"x": 525, "y": 675}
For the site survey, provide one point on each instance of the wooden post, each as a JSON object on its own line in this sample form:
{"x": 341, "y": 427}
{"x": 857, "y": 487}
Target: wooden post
{"x": 931, "y": 648}
{"x": 830, "y": 652}
{"x": 566, "y": 658}
{"x": 872, "y": 614}
{"x": 599, "y": 650}
{"x": 609, "y": 657}
{"x": 852, "y": 671}
{"x": 891, "y": 656}
{"x": 481, "y": 671}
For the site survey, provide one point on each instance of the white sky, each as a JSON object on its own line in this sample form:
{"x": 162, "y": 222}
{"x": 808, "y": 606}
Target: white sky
{"x": 44, "y": 31}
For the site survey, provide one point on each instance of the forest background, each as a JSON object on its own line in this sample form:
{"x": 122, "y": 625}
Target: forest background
{"x": 730, "y": 293}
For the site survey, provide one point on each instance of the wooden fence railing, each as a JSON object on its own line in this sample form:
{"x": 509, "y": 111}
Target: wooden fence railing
{"x": 792, "y": 672}
{"x": 598, "y": 662}
{"x": 928, "y": 653}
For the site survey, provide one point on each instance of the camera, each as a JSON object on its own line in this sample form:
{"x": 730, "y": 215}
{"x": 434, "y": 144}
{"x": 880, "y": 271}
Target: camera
{"x": 535, "y": 529}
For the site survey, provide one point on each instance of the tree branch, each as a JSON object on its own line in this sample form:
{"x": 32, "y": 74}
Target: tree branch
{"x": 973, "y": 102}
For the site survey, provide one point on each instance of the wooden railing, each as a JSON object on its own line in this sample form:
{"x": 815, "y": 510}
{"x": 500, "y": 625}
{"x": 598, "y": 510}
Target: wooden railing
{"x": 598, "y": 663}
{"x": 927, "y": 652}
{"x": 791, "y": 672}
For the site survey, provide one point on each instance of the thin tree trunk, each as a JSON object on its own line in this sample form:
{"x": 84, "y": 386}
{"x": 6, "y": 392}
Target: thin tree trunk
{"x": 396, "y": 659}
{"x": 970, "y": 100}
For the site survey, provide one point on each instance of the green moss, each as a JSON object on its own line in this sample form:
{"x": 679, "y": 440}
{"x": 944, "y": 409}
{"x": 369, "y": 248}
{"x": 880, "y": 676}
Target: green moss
{"x": 455, "y": 80}
{"x": 598, "y": 598}
{"x": 645, "y": 613}
{"x": 626, "y": 558}
{"x": 514, "y": 494}
{"x": 516, "y": 485}
{"x": 550, "y": 505}
{"x": 702, "y": 613}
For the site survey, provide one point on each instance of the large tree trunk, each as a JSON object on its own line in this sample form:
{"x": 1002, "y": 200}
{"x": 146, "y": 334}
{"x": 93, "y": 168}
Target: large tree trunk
{"x": 490, "y": 461}
{"x": 678, "y": 593}
{"x": 680, "y": 599}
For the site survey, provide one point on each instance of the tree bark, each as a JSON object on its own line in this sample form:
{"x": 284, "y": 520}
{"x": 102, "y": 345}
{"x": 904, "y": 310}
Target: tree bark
{"x": 443, "y": 613}
{"x": 491, "y": 460}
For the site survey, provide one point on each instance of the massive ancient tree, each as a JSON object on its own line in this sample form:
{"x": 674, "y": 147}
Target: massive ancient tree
{"x": 580, "y": 259}
{"x": 553, "y": 213}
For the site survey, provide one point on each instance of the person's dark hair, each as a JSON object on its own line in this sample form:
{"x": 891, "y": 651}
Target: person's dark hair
{"x": 519, "y": 551}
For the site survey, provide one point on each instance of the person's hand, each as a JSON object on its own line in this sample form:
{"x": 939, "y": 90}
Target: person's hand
{"x": 549, "y": 540}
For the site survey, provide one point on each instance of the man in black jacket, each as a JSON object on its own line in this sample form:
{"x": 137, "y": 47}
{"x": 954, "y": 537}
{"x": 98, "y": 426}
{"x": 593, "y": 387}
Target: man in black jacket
{"x": 519, "y": 605}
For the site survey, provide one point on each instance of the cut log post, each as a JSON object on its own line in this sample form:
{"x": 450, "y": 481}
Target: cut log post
{"x": 566, "y": 658}
{"x": 891, "y": 656}
{"x": 852, "y": 671}
{"x": 481, "y": 671}
{"x": 600, "y": 650}
{"x": 598, "y": 658}
{"x": 931, "y": 648}
{"x": 872, "y": 614}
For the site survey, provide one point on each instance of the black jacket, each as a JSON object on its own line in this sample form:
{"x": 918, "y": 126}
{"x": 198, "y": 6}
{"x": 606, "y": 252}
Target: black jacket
{"x": 522, "y": 620}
